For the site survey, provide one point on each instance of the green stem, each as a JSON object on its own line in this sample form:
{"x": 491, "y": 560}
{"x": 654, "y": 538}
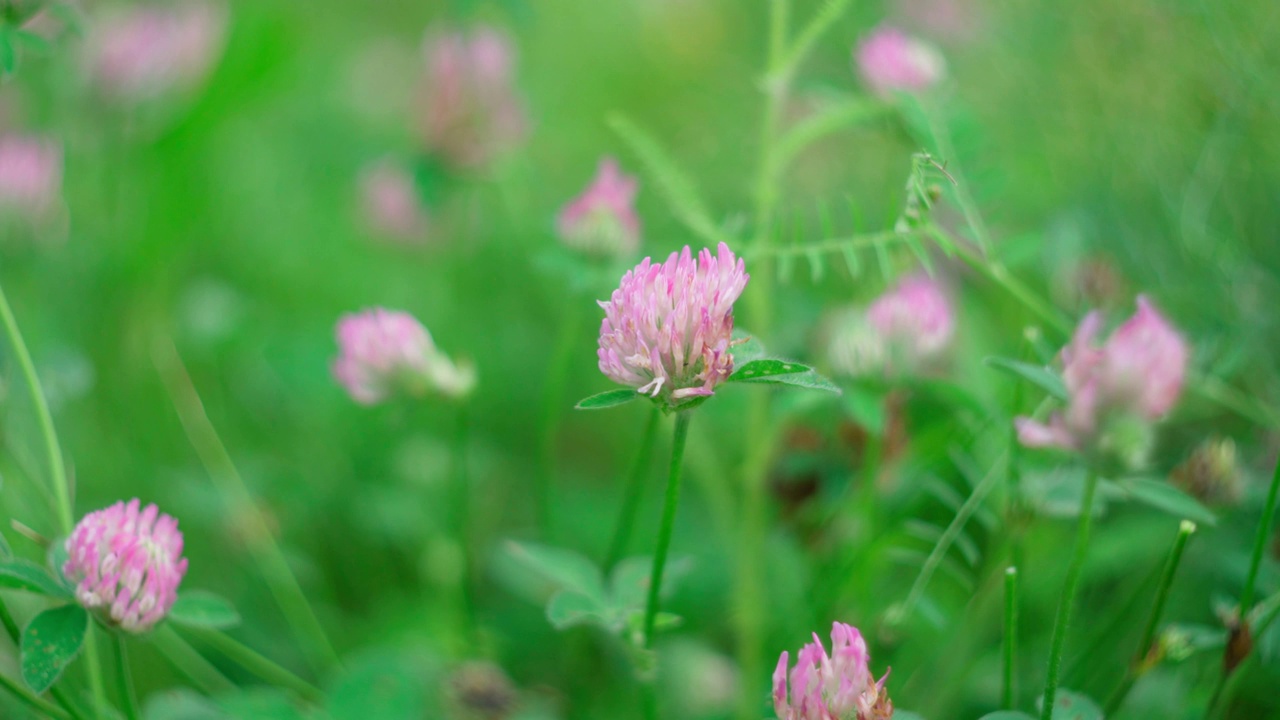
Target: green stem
{"x": 635, "y": 490}
{"x": 53, "y": 452}
{"x": 97, "y": 687}
{"x": 32, "y": 700}
{"x": 1068, "y": 598}
{"x": 1139, "y": 665}
{"x": 184, "y": 658}
{"x": 553, "y": 398}
{"x": 266, "y": 552}
{"x": 261, "y": 666}
{"x": 128, "y": 698}
{"x": 462, "y": 515}
{"x": 668, "y": 524}
{"x": 57, "y": 472}
{"x": 1260, "y": 544}
{"x": 1010, "y": 636}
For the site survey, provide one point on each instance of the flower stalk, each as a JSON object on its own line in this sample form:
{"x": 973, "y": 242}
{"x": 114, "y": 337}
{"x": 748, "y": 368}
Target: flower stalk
{"x": 635, "y": 490}
{"x": 672, "y": 499}
{"x": 1067, "y": 600}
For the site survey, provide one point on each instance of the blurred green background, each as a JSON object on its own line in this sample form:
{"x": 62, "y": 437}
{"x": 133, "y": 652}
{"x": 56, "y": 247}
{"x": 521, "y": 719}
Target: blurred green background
{"x": 1114, "y": 147}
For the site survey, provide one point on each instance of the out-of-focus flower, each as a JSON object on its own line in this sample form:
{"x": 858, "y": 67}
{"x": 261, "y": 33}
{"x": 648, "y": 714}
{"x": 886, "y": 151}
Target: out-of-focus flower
{"x": 471, "y": 112}
{"x": 956, "y": 20}
{"x": 30, "y": 178}
{"x": 667, "y": 328}
{"x": 384, "y": 352}
{"x": 147, "y": 51}
{"x": 855, "y": 347}
{"x": 390, "y": 201}
{"x": 1211, "y": 474}
{"x": 128, "y": 562}
{"x": 915, "y": 319}
{"x": 602, "y": 220}
{"x": 1128, "y": 382}
{"x": 482, "y": 691}
{"x": 890, "y": 60}
{"x": 835, "y": 687}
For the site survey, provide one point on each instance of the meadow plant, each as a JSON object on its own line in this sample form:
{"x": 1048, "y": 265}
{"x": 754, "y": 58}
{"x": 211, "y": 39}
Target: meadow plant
{"x": 838, "y": 686}
{"x": 889, "y": 60}
{"x": 127, "y": 564}
{"x": 138, "y": 53}
{"x": 30, "y": 180}
{"x": 603, "y": 220}
{"x": 390, "y": 202}
{"x": 383, "y": 353}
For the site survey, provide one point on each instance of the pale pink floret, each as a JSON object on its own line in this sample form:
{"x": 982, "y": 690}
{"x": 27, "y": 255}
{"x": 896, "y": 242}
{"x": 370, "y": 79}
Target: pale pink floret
{"x": 383, "y": 352}
{"x": 30, "y": 175}
{"x": 390, "y": 201}
{"x": 128, "y": 563}
{"x": 831, "y": 687}
{"x": 915, "y": 319}
{"x": 603, "y": 218}
{"x": 470, "y": 109}
{"x": 890, "y": 60}
{"x": 668, "y": 328}
{"x": 143, "y": 52}
{"x": 1139, "y": 372}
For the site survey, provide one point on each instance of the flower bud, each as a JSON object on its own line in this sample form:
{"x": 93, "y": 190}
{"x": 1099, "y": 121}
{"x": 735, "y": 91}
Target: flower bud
{"x": 915, "y": 319}
{"x": 127, "y": 564}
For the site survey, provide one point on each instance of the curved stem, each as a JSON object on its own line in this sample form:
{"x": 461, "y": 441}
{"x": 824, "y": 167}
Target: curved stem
{"x": 266, "y": 552}
{"x": 1139, "y": 665}
{"x": 1260, "y": 544}
{"x": 635, "y": 490}
{"x": 35, "y": 702}
{"x": 553, "y": 395}
{"x": 128, "y": 698}
{"x": 261, "y": 666}
{"x": 668, "y": 524}
{"x": 191, "y": 664}
{"x": 1069, "y": 588}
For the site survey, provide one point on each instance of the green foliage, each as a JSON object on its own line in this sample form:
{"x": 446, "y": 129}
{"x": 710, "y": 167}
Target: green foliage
{"x": 25, "y": 575}
{"x": 50, "y": 642}
{"x": 607, "y": 399}
{"x": 198, "y": 608}
{"x": 1042, "y": 377}
{"x": 1070, "y": 705}
{"x": 1159, "y": 494}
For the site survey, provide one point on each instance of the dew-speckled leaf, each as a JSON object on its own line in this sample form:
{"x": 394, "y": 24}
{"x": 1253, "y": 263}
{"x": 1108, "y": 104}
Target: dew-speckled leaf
{"x": 766, "y": 367}
{"x": 50, "y": 642}
{"x": 607, "y": 399}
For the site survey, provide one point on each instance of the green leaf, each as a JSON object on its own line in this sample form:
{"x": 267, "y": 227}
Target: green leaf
{"x": 50, "y": 642}
{"x": 629, "y": 583}
{"x": 1069, "y": 705}
{"x": 1038, "y": 375}
{"x": 1163, "y": 496}
{"x": 809, "y": 380}
{"x": 181, "y": 704}
{"x": 687, "y": 204}
{"x": 377, "y": 688}
{"x": 8, "y": 54}
{"x": 33, "y": 42}
{"x": 6, "y": 550}
{"x": 197, "y": 608}
{"x": 766, "y": 367}
{"x": 569, "y": 608}
{"x": 26, "y": 575}
{"x": 563, "y": 569}
{"x": 746, "y": 347}
{"x": 1004, "y": 715}
{"x": 607, "y": 399}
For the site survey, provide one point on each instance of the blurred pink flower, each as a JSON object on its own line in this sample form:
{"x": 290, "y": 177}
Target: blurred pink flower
{"x": 915, "y": 319}
{"x": 147, "y": 51}
{"x": 957, "y": 20}
{"x": 390, "y": 201}
{"x": 30, "y": 177}
{"x": 835, "y": 687}
{"x": 471, "y": 112}
{"x": 383, "y": 352}
{"x": 128, "y": 562}
{"x": 667, "y": 328}
{"x": 603, "y": 220}
{"x": 1138, "y": 373}
{"x": 890, "y": 60}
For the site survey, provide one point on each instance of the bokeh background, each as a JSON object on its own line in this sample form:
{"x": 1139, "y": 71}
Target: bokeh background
{"x": 1113, "y": 146}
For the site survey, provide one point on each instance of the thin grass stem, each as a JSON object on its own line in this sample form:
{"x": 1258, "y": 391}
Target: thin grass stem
{"x": 1069, "y": 588}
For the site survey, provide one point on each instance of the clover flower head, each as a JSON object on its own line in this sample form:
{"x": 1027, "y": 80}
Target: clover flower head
{"x": 470, "y": 110}
{"x": 390, "y": 201}
{"x": 890, "y": 60}
{"x": 668, "y": 328}
{"x": 915, "y": 319}
{"x": 1136, "y": 375}
{"x": 30, "y": 175}
{"x": 838, "y": 686}
{"x": 142, "y": 52}
{"x": 384, "y": 352}
{"x": 128, "y": 563}
{"x": 602, "y": 220}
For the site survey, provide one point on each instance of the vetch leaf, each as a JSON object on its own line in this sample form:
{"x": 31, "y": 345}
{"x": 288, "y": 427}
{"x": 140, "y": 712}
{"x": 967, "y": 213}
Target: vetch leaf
{"x": 607, "y": 399}
{"x": 50, "y": 642}
{"x": 1163, "y": 496}
{"x": 766, "y": 367}
{"x": 810, "y": 380}
{"x": 1069, "y": 705}
{"x": 26, "y": 575}
{"x": 1038, "y": 375}
{"x": 569, "y": 608}
{"x": 197, "y": 608}
{"x": 564, "y": 569}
